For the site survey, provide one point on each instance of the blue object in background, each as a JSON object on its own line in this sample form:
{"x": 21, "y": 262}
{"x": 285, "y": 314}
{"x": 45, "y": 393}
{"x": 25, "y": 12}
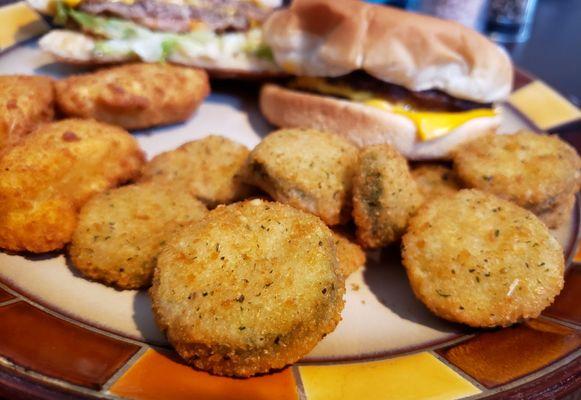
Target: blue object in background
{"x": 395, "y": 3}
{"x": 510, "y": 21}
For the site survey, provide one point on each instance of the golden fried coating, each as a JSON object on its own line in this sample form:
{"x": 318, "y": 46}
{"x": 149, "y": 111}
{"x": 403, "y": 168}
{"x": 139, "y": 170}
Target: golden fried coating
{"x": 350, "y": 255}
{"x": 435, "y": 180}
{"x": 25, "y": 103}
{"x": 385, "y": 196}
{"x": 210, "y": 168}
{"x": 560, "y": 212}
{"x": 307, "y": 169}
{"x": 253, "y": 286}
{"x": 51, "y": 173}
{"x": 529, "y": 169}
{"x": 480, "y": 260}
{"x": 121, "y": 231}
{"x": 134, "y": 96}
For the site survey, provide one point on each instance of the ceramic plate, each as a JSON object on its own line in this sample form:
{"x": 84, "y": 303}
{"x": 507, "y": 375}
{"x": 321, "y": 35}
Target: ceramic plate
{"x": 62, "y": 335}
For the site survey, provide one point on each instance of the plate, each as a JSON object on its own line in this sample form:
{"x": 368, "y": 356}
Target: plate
{"x": 61, "y": 334}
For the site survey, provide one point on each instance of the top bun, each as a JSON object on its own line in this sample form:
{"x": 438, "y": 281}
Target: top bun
{"x": 335, "y": 37}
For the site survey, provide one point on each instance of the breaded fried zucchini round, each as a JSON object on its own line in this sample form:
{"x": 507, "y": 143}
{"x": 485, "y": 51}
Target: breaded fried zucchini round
{"x": 51, "y": 173}
{"x": 529, "y": 169}
{"x": 350, "y": 255}
{"x": 307, "y": 169}
{"x": 385, "y": 196}
{"x": 121, "y": 231}
{"x": 134, "y": 96}
{"x": 435, "y": 180}
{"x": 253, "y": 286}
{"x": 210, "y": 168}
{"x": 482, "y": 261}
{"x": 25, "y": 103}
{"x": 560, "y": 212}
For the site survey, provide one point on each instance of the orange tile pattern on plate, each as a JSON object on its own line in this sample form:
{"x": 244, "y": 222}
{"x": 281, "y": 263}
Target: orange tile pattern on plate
{"x": 498, "y": 357}
{"x": 567, "y": 305}
{"x": 4, "y": 296}
{"x": 162, "y": 375}
{"x": 53, "y": 347}
{"x": 417, "y": 376}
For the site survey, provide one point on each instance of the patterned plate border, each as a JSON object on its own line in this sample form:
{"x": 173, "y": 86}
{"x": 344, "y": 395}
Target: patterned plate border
{"x": 46, "y": 355}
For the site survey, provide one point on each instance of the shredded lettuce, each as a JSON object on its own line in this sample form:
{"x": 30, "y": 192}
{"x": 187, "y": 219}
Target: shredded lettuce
{"x": 61, "y": 15}
{"x": 118, "y": 37}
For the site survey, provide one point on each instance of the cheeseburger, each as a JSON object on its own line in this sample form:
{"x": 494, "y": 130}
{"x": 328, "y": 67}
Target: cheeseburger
{"x": 223, "y": 36}
{"x": 376, "y": 74}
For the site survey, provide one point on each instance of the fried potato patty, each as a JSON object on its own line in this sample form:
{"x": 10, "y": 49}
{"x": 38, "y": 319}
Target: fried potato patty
{"x": 121, "y": 231}
{"x": 529, "y": 169}
{"x": 480, "y": 260}
{"x": 435, "y": 180}
{"x": 350, "y": 255}
{"x": 25, "y": 103}
{"x": 210, "y": 168}
{"x": 134, "y": 96}
{"x": 252, "y": 287}
{"x": 51, "y": 173}
{"x": 385, "y": 196}
{"x": 307, "y": 169}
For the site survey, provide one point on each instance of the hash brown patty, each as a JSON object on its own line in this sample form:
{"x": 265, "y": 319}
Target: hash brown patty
{"x": 25, "y": 103}
{"x": 47, "y": 177}
{"x": 134, "y": 96}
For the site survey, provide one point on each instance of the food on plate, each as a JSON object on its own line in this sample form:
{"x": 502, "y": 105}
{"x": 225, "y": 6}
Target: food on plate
{"x": 307, "y": 169}
{"x": 134, "y": 96}
{"x": 210, "y": 168}
{"x": 482, "y": 261}
{"x": 25, "y": 103}
{"x": 350, "y": 255}
{"x": 121, "y": 231}
{"x": 560, "y": 212}
{"x": 435, "y": 180}
{"x": 252, "y": 287}
{"x": 385, "y": 196}
{"x": 51, "y": 173}
{"x": 223, "y": 36}
{"x": 376, "y": 74}
{"x": 538, "y": 172}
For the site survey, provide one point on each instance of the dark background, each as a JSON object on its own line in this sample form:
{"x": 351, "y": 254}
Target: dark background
{"x": 553, "y": 52}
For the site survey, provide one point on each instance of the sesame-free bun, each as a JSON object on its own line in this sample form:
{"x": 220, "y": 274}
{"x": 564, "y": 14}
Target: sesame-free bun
{"x": 364, "y": 125}
{"x": 335, "y": 37}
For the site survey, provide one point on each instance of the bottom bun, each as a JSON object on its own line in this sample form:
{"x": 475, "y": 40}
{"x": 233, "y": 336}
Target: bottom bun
{"x": 364, "y": 125}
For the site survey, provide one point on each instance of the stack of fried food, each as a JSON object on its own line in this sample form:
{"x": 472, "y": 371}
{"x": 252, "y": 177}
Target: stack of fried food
{"x": 246, "y": 252}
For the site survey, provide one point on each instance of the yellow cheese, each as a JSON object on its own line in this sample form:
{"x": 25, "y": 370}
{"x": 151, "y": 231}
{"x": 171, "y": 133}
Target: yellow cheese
{"x": 71, "y": 3}
{"x": 321, "y": 86}
{"x": 430, "y": 124}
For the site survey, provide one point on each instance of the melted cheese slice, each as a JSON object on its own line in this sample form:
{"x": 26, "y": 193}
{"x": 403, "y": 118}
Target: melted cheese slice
{"x": 71, "y": 3}
{"x": 430, "y": 125}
